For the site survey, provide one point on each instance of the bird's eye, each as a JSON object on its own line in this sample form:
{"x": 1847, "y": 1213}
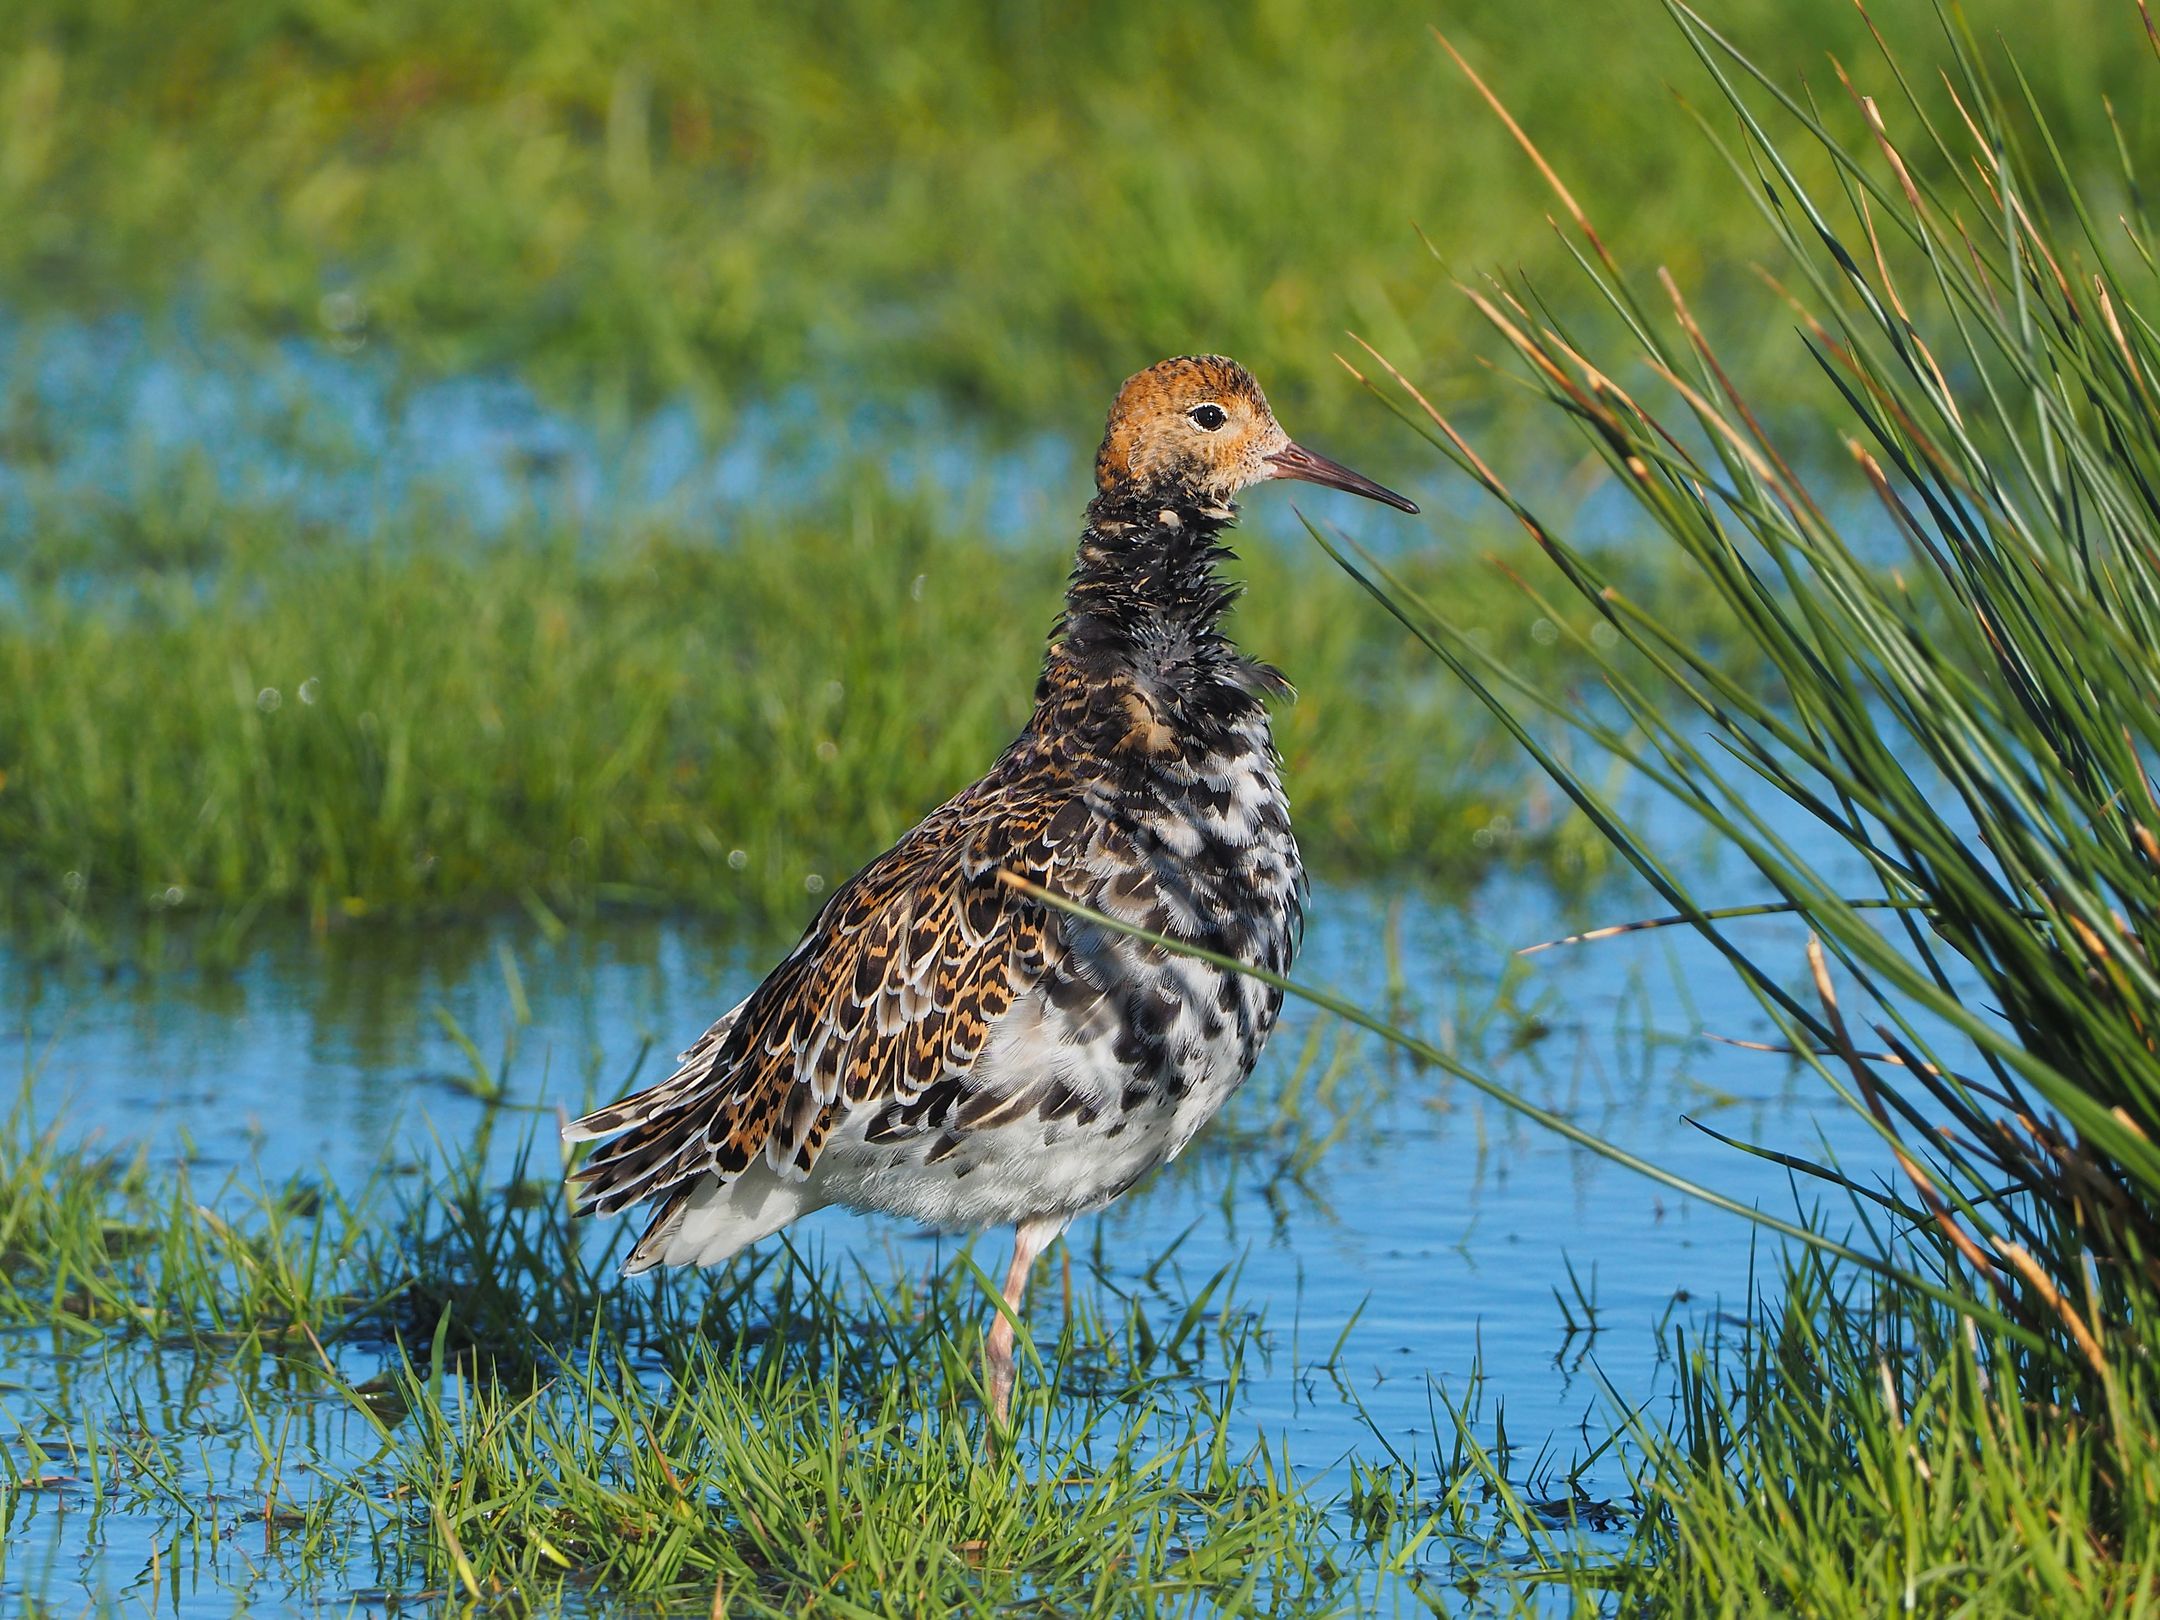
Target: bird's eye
{"x": 1207, "y": 418}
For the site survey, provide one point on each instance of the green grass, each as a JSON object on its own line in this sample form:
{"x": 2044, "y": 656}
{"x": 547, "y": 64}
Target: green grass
{"x": 847, "y": 1466}
{"x": 1861, "y": 1455}
{"x": 1847, "y": 1451}
{"x": 1010, "y": 206}
{"x": 241, "y": 717}
{"x": 444, "y": 1389}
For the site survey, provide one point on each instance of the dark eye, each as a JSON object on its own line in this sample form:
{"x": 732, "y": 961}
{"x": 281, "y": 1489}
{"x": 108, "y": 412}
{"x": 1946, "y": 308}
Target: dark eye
{"x": 1207, "y": 418}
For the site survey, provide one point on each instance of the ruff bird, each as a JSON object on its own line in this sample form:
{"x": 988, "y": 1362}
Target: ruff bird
{"x": 942, "y": 1045}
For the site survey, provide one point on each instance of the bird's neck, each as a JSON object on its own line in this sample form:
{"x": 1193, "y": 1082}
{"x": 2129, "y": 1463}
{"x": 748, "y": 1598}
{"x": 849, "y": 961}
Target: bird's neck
{"x": 1146, "y": 595}
{"x": 1144, "y": 613}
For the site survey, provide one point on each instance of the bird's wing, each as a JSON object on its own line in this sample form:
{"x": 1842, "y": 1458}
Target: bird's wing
{"x": 893, "y": 990}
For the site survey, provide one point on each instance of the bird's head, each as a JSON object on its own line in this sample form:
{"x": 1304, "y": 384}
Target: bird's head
{"x": 1200, "y": 423}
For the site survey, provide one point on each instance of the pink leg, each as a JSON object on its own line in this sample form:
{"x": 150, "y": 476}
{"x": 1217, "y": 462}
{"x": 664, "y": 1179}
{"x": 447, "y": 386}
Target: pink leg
{"x": 1030, "y": 1238}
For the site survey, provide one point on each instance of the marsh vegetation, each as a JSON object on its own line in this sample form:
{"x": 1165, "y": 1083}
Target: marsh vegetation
{"x": 355, "y": 822}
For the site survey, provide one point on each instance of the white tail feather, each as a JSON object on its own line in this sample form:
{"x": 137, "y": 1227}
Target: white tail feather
{"x": 716, "y": 1220}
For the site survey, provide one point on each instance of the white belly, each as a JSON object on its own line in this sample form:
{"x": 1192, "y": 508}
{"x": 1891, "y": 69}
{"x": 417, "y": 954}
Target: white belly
{"x": 1070, "y": 1125}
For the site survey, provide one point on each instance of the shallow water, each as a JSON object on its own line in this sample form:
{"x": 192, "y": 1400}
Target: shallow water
{"x": 1439, "y": 1235}
{"x": 128, "y": 415}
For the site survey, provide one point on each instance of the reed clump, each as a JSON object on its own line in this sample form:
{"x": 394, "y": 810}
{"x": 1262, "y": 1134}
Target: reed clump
{"x": 1950, "y": 567}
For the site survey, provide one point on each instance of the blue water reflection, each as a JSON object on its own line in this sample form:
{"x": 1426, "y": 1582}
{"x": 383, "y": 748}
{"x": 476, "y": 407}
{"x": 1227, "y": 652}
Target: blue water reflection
{"x": 1453, "y": 1234}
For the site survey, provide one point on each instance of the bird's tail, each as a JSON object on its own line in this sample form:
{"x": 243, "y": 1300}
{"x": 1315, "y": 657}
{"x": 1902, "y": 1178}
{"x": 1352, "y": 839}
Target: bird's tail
{"x": 657, "y": 1150}
{"x": 705, "y": 1221}
{"x": 693, "y": 1069}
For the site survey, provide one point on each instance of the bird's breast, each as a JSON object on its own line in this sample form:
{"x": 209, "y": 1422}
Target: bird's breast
{"x": 1123, "y": 1048}
{"x": 1200, "y": 839}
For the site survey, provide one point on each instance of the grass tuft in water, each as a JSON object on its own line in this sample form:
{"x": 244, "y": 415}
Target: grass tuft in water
{"x": 451, "y": 1392}
{"x": 858, "y": 1468}
{"x": 1860, "y": 1453}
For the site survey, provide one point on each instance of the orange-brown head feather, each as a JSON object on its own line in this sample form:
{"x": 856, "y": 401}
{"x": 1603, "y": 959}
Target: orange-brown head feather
{"x": 1200, "y": 423}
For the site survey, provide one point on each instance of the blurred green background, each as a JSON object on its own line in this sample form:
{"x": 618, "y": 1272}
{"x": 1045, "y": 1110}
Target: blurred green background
{"x": 973, "y": 218}
{"x": 1010, "y": 204}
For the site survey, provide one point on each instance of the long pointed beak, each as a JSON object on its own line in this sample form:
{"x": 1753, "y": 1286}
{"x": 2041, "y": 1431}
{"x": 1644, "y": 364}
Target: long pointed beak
{"x": 1299, "y": 462}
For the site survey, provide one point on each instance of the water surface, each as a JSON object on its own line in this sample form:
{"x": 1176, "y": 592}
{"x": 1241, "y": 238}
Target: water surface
{"x": 1437, "y": 1236}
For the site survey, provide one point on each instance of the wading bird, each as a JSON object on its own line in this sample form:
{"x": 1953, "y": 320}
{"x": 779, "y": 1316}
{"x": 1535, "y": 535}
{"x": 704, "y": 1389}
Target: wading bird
{"x": 944, "y": 1046}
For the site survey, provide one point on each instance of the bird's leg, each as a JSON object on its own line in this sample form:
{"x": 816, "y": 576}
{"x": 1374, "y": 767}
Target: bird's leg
{"x": 1030, "y": 1238}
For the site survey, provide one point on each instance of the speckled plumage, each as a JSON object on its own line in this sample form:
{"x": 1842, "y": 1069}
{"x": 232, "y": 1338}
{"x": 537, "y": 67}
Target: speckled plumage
{"x": 942, "y": 1046}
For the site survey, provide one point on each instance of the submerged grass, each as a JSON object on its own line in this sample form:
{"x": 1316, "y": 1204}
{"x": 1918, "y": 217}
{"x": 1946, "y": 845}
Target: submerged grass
{"x": 245, "y": 718}
{"x": 448, "y": 1392}
{"x": 864, "y": 1482}
{"x": 1859, "y": 1455}
{"x": 1846, "y": 1450}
